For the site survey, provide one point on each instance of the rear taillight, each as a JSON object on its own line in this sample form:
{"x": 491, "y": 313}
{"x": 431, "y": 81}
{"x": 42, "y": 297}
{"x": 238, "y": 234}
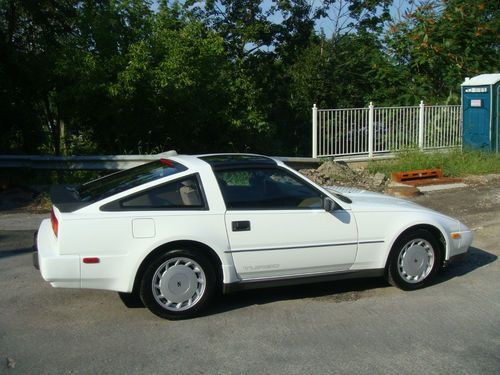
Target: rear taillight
{"x": 55, "y": 223}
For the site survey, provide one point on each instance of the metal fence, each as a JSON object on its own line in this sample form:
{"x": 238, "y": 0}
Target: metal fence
{"x": 376, "y": 131}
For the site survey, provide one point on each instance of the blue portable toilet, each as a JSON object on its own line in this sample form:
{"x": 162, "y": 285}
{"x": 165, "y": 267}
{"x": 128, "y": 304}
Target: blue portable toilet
{"x": 480, "y": 112}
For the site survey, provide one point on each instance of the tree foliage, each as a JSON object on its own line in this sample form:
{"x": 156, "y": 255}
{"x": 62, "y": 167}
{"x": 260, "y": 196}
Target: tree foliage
{"x": 137, "y": 76}
{"x": 442, "y": 42}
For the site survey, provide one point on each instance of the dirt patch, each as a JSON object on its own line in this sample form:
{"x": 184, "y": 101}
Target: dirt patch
{"x": 333, "y": 173}
{"x": 483, "y": 180}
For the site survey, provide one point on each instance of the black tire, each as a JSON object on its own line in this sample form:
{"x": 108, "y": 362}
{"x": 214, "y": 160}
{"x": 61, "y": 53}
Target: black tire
{"x": 131, "y": 300}
{"x": 181, "y": 284}
{"x": 400, "y": 270}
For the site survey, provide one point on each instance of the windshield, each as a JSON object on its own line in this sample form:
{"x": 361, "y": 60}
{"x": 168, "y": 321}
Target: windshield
{"x": 120, "y": 181}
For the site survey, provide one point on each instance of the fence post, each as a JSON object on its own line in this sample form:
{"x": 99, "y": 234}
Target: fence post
{"x": 314, "y": 131}
{"x": 421, "y": 125}
{"x": 371, "y": 115}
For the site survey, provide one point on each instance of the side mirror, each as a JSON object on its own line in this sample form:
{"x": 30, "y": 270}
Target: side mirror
{"x": 329, "y": 204}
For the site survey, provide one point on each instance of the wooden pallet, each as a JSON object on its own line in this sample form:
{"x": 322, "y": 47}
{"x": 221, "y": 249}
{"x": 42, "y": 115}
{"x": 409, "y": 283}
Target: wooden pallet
{"x": 417, "y": 174}
{"x": 423, "y": 177}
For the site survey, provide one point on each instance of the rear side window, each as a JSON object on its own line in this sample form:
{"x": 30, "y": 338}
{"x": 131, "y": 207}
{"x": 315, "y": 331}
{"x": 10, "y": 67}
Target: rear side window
{"x": 117, "y": 182}
{"x": 266, "y": 189}
{"x": 181, "y": 194}
{"x": 185, "y": 193}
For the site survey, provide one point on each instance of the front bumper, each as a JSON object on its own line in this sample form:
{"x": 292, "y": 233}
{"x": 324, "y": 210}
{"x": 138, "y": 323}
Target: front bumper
{"x": 459, "y": 247}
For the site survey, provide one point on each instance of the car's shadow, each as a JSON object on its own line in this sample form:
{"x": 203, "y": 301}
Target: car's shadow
{"x": 476, "y": 258}
{"x": 339, "y": 291}
{"x": 16, "y": 252}
{"x": 13, "y": 243}
{"x": 334, "y": 291}
{"x": 342, "y": 290}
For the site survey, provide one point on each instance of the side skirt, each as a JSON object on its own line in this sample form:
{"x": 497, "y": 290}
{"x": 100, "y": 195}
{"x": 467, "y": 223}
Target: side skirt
{"x": 297, "y": 280}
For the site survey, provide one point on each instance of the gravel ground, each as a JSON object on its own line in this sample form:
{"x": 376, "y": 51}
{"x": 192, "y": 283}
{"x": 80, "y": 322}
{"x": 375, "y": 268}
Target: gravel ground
{"x": 360, "y": 326}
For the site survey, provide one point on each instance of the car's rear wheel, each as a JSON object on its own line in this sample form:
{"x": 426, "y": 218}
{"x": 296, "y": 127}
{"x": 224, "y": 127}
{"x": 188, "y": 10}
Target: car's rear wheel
{"x": 179, "y": 284}
{"x": 415, "y": 259}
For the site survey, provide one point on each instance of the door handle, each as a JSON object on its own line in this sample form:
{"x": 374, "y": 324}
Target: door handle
{"x": 240, "y": 226}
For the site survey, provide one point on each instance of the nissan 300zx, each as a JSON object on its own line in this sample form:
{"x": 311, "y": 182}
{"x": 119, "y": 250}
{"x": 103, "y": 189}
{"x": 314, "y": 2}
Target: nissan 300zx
{"x": 174, "y": 232}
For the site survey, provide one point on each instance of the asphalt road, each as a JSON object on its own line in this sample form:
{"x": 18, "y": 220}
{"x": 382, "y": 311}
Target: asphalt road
{"x": 361, "y": 326}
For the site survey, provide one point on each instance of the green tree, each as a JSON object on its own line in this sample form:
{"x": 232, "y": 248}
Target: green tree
{"x": 31, "y": 34}
{"x": 442, "y": 42}
{"x": 346, "y": 69}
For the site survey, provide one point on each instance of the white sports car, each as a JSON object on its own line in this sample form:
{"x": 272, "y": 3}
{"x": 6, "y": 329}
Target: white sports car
{"x": 173, "y": 232}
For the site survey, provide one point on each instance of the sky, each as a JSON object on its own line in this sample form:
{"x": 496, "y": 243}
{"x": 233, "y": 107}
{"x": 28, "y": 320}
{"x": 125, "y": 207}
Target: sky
{"x": 327, "y": 25}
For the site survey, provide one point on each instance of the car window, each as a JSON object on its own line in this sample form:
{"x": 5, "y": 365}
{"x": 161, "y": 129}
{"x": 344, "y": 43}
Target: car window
{"x": 266, "y": 188}
{"x": 179, "y": 194}
{"x": 118, "y": 182}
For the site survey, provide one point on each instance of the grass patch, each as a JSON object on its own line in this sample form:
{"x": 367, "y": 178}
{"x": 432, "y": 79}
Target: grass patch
{"x": 454, "y": 163}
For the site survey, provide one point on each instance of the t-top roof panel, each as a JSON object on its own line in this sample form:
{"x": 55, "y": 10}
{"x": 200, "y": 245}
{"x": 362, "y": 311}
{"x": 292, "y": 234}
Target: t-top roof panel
{"x": 237, "y": 160}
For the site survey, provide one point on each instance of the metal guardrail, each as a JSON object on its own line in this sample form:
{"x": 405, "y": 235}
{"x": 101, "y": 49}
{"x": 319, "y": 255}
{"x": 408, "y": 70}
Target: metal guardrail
{"x": 98, "y": 162}
{"x": 110, "y": 162}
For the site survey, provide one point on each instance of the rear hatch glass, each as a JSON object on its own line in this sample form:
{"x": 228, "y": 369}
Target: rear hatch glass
{"x": 71, "y": 198}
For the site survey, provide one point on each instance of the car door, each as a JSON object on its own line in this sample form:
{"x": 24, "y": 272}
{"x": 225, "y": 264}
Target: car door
{"x": 277, "y": 226}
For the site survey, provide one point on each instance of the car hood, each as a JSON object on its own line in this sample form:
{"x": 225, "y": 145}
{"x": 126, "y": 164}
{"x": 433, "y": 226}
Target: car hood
{"x": 364, "y": 200}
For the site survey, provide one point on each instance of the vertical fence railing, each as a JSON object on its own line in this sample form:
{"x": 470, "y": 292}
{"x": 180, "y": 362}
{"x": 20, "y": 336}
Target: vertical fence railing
{"x": 314, "y": 131}
{"x": 440, "y": 126}
{"x": 377, "y": 130}
{"x": 396, "y": 128}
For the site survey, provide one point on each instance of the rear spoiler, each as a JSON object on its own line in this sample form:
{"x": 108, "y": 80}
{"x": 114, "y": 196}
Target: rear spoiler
{"x": 65, "y": 198}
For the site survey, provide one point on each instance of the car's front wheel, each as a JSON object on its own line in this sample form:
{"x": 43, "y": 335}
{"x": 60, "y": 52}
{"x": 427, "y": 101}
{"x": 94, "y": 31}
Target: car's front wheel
{"x": 415, "y": 259}
{"x": 179, "y": 284}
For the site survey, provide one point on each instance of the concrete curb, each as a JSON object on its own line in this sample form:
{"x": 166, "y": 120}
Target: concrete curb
{"x": 427, "y": 188}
